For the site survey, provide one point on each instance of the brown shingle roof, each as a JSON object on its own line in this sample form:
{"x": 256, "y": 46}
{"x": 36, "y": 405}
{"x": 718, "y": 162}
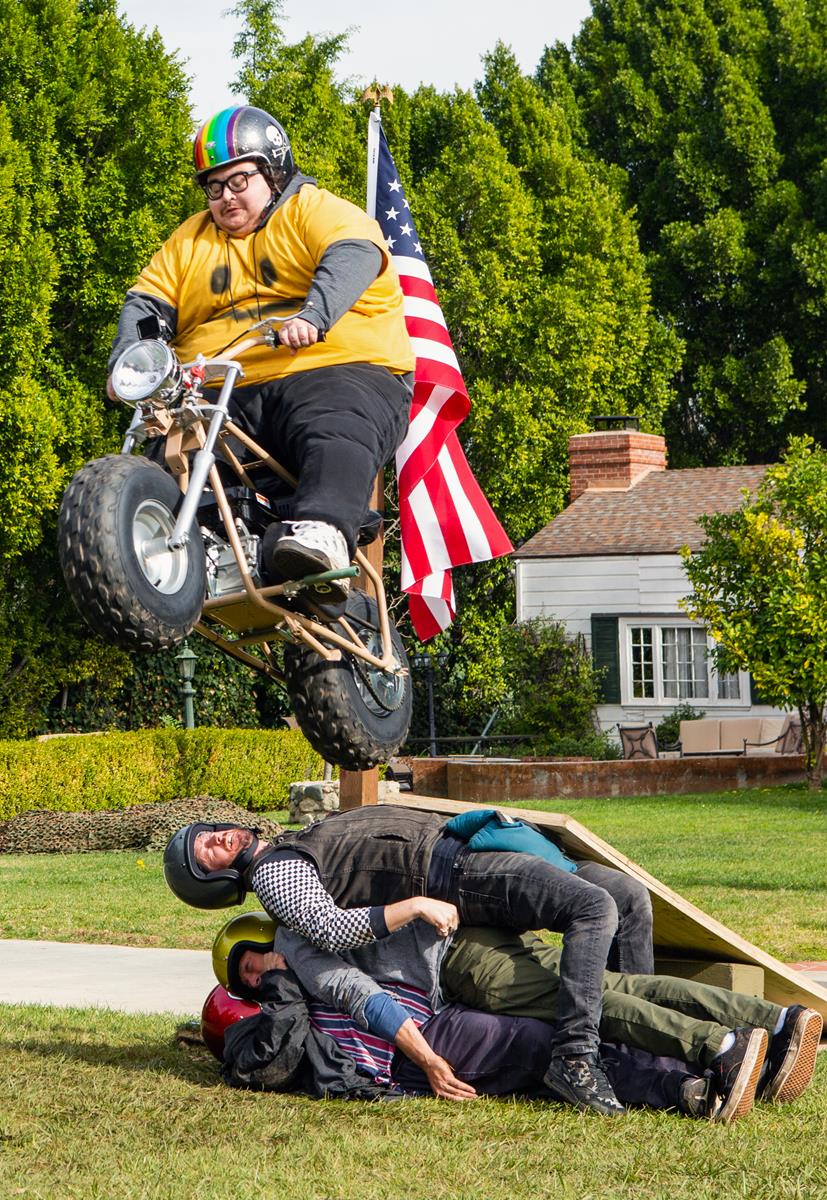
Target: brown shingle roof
{"x": 655, "y": 516}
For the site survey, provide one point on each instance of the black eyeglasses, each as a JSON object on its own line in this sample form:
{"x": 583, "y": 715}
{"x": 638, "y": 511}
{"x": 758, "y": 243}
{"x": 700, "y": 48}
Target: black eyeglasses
{"x": 236, "y": 183}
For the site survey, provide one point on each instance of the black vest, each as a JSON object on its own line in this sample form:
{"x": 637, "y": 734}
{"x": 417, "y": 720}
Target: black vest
{"x": 374, "y": 855}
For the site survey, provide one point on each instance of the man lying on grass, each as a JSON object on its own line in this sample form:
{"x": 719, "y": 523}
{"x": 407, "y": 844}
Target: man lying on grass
{"x": 675, "y": 1044}
{"x": 289, "y": 1042}
{"x": 355, "y": 877}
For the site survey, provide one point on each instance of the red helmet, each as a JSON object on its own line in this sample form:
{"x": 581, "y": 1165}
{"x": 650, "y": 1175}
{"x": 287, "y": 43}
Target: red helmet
{"x": 220, "y": 1011}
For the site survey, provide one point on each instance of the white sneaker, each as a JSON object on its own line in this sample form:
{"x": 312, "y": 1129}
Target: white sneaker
{"x": 310, "y": 548}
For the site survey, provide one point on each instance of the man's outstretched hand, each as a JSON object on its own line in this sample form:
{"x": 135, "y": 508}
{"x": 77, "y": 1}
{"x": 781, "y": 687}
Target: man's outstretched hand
{"x": 444, "y": 1082}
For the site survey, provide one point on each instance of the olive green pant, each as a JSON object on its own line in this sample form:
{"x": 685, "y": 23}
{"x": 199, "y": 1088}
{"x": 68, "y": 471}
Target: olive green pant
{"x": 502, "y": 971}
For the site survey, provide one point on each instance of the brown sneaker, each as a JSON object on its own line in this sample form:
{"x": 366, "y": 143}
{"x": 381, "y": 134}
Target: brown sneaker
{"x": 792, "y": 1055}
{"x": 736, "y": 1071}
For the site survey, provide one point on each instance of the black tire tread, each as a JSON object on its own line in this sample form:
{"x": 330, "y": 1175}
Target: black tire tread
{"x": 89, "y": 558}
{"x": 323, "y": 702}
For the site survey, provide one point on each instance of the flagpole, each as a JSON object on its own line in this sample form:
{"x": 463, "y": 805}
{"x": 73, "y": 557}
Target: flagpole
{"x": 374, "y": 125}
{"x": 360, "y": 788}
{"x": 377, "y": 93}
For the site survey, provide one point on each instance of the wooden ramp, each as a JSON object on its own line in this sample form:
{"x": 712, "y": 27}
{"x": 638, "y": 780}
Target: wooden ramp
{"x": 680, "y": 929}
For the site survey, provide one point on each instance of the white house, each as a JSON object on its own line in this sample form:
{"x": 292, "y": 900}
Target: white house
{"x": 609, "y": 568}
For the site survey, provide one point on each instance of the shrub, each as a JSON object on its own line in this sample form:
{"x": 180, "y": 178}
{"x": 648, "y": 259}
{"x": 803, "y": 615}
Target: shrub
{"x": 593, "y": 745}
{"x": 148, "y": 695}
{"x": 668, "y": 730}
{"x": 599, "y": 746}
{"x": 552, "y": 682}
{"x": 252, "y": 768}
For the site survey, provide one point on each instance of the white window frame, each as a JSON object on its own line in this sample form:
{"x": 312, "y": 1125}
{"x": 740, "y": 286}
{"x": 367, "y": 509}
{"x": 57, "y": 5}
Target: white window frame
{"x": 660, "y": 700}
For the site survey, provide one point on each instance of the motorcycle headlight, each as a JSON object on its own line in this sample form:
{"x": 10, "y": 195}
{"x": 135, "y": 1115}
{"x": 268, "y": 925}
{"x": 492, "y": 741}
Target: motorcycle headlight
{"x": 145, "y": 369}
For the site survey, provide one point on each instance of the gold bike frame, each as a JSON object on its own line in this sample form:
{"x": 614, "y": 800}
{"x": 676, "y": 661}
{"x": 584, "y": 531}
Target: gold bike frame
{"x": 329, "y": 641}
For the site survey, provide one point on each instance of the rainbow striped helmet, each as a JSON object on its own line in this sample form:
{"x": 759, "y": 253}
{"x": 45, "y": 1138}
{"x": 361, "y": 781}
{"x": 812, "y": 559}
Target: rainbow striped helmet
{"x": 241, "y": 133}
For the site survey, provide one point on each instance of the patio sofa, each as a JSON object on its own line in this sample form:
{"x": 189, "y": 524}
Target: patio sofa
{"x": 740, "y": 735}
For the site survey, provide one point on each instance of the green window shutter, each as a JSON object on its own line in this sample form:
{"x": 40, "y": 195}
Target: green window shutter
{"x": 606, "y": 655}
{"x": 755, "y": 696}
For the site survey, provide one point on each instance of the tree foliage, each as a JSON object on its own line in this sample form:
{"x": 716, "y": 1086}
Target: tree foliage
{"x": 94, "y": 127}
{"x": 714, "y": 111}
{"x": 147, "y": 695}
{"x": 539, "y": 273}
{"x": 553, "y": 687}
{"x": 760, "y": 587}
{"x": 532, "y": 247}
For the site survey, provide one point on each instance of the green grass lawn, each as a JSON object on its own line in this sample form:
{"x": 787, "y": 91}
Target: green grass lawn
{"x": 106, "y": 1106}
{"x": 100, "y": 1106}
{"x": 756, "y": 860}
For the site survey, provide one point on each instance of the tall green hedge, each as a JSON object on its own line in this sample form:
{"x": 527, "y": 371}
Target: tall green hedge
{"x": 253, "y": 768}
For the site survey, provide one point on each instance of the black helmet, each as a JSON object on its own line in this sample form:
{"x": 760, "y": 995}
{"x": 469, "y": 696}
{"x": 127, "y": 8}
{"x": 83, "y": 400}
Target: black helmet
{"x": 194, "y": 885}
{"x": 240, "y": 133}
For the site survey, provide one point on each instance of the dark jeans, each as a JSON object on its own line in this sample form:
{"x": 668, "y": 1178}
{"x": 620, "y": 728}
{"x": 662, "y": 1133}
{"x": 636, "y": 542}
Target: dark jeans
{"x": 519, "y": 891}
{"x": 331, "y": 427}
{"x": 503, "y": 1056}
{"x": 632, "y": 950}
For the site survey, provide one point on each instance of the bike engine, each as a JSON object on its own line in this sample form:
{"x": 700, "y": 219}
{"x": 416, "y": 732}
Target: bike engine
{"x": 252, "y": 516}
{"x": 223, "y": 574}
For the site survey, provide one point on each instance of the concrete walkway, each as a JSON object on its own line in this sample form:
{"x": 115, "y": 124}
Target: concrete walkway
{"x": 128, "y": 978}
{"x": 120, "y": 977}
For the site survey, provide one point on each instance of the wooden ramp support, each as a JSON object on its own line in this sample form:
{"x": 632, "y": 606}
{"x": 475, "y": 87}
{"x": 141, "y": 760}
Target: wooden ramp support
{"x": 357, "y": 788}
{"x": 681, "y": 931}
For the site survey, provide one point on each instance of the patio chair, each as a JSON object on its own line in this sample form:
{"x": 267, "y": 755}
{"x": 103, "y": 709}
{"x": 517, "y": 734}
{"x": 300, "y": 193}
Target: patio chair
{"x": 400, "y": 772}
{"x": 638, "y": 741}
{"x": 787, "y": 741}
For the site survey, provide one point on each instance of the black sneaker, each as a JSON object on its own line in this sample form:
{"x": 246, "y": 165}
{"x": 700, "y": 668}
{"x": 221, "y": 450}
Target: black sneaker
{"x": 735, "y": 1073}
{"x": 698, "y": 1098}
{"x": 583, "y": 1083}
{"x": 792, "y": 1055}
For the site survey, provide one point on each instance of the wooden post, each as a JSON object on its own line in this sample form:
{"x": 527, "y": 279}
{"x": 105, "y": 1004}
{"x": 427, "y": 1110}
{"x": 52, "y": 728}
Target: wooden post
{"x": 358, "y": 788}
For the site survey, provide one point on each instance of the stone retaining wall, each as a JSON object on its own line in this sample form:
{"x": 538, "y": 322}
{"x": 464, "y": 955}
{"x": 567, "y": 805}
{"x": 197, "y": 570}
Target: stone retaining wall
{"x": 502, "y": 781}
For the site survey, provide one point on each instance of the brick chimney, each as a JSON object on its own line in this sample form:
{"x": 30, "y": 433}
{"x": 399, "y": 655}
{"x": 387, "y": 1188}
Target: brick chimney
{"x": 615, "y": 458}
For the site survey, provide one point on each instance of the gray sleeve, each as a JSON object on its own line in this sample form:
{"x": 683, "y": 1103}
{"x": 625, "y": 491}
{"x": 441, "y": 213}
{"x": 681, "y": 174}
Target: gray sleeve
{"x": 136, "y": 306}
{"x": 346, "y": 270}
{"x": 326, "y": 977}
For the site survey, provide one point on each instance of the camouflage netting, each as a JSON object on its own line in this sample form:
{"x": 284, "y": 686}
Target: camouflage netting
{"x": 141, "y": 827}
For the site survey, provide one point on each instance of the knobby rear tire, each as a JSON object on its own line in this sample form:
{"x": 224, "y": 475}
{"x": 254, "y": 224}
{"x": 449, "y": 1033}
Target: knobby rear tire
{"x": 353, "y": 716}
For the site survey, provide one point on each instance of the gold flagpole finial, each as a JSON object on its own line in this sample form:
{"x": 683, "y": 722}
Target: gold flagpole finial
{"x": 376, "y": 93}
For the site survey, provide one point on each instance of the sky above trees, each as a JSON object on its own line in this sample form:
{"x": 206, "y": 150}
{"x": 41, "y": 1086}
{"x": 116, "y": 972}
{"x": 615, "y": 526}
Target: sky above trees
{"x": 432, "y": 42}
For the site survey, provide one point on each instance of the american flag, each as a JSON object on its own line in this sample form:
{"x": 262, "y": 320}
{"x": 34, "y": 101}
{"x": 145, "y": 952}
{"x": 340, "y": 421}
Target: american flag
{"x": 445, "y": 520}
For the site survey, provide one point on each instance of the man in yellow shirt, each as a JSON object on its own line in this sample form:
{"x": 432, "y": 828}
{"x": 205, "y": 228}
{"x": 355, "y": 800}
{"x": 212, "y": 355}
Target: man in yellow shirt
{"x": 331, "y": 402}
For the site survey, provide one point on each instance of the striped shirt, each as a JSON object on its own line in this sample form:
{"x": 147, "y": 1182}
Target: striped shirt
{"x": 373, "y": 1054}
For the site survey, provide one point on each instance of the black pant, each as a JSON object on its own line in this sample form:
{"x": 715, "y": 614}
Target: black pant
{"x": 331, "y": 427}
{"x": 503, "y": 1056}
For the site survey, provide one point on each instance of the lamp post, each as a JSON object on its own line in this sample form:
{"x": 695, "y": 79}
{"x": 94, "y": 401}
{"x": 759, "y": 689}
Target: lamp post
{"x": 186, "y": 669}
{"x": 426, "y": 662}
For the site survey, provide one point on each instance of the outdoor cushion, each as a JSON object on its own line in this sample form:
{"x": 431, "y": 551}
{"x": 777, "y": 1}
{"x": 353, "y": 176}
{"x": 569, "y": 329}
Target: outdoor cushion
{"x": 735, "y": 730}
{"x": 701, "y": 736}
{"x": 771, "y": 730}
